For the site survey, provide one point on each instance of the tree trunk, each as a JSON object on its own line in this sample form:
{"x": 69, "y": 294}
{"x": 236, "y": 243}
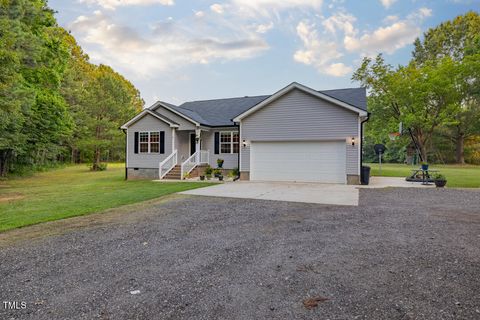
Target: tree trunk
{"x": 96, "y": 154}
{"x": 96, "y": 159}
{"x": 423, "y": 151}
{"x": 4, "y": 155}
{"x": 421, "y": 142}
{"x": 459, "y": 149}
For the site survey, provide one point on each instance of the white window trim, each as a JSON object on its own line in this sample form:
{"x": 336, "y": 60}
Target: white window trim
{"x": 231, "y": 142}
{"x": 149, "y": 142}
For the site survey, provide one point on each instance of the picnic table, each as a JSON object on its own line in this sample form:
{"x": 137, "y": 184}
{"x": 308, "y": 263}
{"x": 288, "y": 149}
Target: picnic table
{"x": 420, "y": 175}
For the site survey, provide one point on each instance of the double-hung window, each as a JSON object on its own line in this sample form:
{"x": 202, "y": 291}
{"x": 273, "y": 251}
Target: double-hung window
{"x": 149, "y": 142}
{"x": 229, "y": 142}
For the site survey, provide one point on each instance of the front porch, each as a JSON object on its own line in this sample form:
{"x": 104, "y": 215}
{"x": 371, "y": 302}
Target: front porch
{"x": 187, "y": 154}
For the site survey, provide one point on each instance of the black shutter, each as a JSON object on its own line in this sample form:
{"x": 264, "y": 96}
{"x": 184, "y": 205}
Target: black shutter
{"x": 162, "y": 142}
{"x": 135, "y": 148}
{"x": 217, "y": 142}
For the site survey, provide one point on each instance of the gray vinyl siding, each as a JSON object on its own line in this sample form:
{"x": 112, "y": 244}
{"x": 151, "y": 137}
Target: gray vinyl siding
{"x": 244, "y": 157}
{"x": 301, "y": 116}
{"x": 145, "y": 160}
{"x": 208, "y": 143}
{"x": 183, "y": 123}
{"x": 353, "y": 159}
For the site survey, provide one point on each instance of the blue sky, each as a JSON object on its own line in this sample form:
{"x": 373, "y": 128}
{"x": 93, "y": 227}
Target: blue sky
{"x": 177, "y": 50}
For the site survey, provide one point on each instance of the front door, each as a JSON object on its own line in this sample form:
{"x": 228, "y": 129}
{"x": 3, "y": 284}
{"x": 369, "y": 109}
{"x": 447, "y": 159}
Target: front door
{"x": 192, "y": 143}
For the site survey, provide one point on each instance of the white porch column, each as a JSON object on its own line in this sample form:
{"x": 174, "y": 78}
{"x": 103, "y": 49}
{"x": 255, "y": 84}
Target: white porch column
{"x": 198, "y": 132}
{"x": 174, "y": 137}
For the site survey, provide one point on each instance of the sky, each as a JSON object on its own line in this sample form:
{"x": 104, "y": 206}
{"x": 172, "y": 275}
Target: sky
{"x": 178, "y": 50}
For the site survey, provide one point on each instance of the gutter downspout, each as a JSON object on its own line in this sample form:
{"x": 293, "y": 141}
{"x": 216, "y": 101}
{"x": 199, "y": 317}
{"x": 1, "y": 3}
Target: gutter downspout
{"x": 126, "y": 155}
{"x": 361, "y": 145}
{"x": 240, "y": 146}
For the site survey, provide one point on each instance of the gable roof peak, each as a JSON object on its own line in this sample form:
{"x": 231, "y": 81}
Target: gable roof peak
{"x": 296, "y": 85}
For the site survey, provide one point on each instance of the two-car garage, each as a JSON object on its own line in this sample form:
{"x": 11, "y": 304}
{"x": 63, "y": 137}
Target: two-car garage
{"x": 309, "y": 161}
{"x": 302, "y": 135}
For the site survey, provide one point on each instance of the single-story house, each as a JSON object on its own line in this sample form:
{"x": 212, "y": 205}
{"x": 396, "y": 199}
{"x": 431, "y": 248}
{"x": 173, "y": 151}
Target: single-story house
{"x": 295, "y": 134}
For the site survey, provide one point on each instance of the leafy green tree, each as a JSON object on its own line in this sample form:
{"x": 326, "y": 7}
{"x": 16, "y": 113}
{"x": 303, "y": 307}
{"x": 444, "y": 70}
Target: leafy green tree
{"x": 52, "y": 99}
{"x": 100, "y": 101}
{"x": 74, "y": 89}
{"x": 109, "y": 101}
{"x": 458, "y": 39}
{"x": 421, "y": 97}
{"x": 32, "y": 58}
{"x": 455, "y": 38}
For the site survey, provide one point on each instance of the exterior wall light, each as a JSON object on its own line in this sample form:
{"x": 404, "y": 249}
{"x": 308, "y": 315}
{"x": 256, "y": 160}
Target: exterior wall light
{"x": 353, "y": 141}
{"x": 244, "y": 143}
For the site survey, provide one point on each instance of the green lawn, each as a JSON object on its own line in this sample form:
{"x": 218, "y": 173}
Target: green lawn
{"x": 75, "y": 191}
{"x": 466, "y": 176}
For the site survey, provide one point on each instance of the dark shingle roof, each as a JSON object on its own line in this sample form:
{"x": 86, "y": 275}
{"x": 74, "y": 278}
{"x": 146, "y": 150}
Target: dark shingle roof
{"x": 356, "y": 97}
{"x": 161, "y": 116}
{"x": 220, "y": 112}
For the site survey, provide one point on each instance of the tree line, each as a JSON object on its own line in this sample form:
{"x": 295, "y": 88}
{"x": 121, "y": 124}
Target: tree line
{"x": 55, "y": 105}
{"x": 436, "y": 96}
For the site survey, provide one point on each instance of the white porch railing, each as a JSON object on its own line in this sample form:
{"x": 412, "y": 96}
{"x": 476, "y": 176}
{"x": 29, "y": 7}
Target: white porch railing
{"x": 166, "y": 165}
{"x": 204, "y": 156}
{"x": 188, "y": 165}
{"x": 195, "y": 159}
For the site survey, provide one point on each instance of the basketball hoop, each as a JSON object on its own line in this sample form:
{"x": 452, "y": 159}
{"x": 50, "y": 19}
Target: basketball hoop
{"x": 394, "y": 135}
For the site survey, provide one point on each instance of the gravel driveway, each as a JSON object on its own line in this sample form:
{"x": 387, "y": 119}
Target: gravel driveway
{"x": 401, "y": 254}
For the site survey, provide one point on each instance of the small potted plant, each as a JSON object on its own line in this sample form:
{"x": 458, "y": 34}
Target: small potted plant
{"x": 202, "y": 177}
{"x": 220, "y": 177}
{"x": 440, "y": 180}
{"x": 217, "y": 173}
{"x": 208, "y": 172}
{"x": 220, "y": 163}
{"x": 424, "y": 166}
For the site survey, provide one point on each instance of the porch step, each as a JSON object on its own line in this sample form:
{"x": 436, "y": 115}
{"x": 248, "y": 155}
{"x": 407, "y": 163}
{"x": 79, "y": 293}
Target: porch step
{"x": 174, "y": 174}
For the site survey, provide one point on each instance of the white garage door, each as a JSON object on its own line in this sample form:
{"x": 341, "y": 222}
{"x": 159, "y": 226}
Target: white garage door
{"x": 298, "y": 161}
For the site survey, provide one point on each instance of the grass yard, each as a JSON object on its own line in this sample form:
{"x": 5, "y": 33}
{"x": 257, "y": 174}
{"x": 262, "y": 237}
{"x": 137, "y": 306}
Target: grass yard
{"x": 466, "y": 176}
{"x": 75, "y": 191}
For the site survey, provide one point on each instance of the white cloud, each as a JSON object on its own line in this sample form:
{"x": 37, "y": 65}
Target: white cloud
{"x": 269, "y": 7}
{"x": 390, "y": 38}
{"x": 199, "y": 14}
{"x": 322, "y": 45}
{"x": 340, "y": 21}
{"x": 387, "y": 3}
{"x": 112, "y": 4}
{"x": 318, "y": 52}
{"x": 170, "y": 44}
{"x": 338, "y": 69}
{"x": 384, "y": 39}
{"x": 217, "y": 8}
{"x": 390, "y": 19}
{"x": 264, "y": 28}
{"x": 426, "y": 12}
{"x": 420, "y": 14}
